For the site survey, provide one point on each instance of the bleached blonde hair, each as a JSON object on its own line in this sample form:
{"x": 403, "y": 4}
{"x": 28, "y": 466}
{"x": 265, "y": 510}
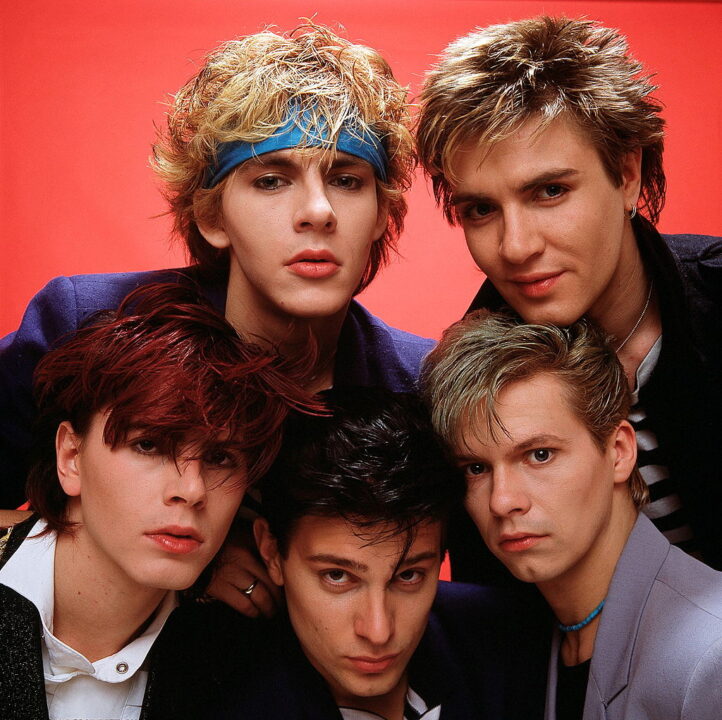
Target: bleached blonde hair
{"x": 481, "y": 355}
{"x": 244, "y": 91}
{"x": 490, "y": 82}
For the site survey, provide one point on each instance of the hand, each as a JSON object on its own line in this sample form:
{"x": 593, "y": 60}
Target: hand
{"x": 236, "y": 568}
{"x": 13, "y": 517}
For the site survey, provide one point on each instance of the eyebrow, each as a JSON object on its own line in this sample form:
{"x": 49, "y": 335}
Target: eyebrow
{"x": 362, "y": 567}
{"x": 548, "y": 176}
{"x": 538, "y": 441}
{"x": 276, "y": 159}
{"x": 340, "y": 561}
{"x": 419, "y": 557}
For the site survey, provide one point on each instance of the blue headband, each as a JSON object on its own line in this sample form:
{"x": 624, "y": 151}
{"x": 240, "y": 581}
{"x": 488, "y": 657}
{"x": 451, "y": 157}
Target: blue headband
{"x": 293, "y": 134}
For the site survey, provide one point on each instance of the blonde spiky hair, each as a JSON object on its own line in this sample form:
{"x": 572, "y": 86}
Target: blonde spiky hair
{"x": 244, "y": 91}
{"x": 490, "y": 82}
{"x": 484, "y": 353}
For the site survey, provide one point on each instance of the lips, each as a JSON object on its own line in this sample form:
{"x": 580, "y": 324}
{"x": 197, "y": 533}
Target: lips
{"x": 373, "y": 665}
{"x": 535, "y": 285}
{"x": 518, "y": 542}
{"x": 314, "y": 264}
{"x": 176, "y": 539}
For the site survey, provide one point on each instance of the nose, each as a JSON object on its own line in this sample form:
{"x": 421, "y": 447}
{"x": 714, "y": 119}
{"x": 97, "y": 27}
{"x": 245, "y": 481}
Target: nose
{"x": 186, "y": 483}
{"x": 508, "y": 495}
{"x": 314, "y": 211}
{"x": 520, "y": 239}
{"x": 374, "y": 620}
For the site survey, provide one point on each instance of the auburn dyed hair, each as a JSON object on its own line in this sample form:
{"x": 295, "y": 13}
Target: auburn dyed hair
{"x": 166, "y": 363}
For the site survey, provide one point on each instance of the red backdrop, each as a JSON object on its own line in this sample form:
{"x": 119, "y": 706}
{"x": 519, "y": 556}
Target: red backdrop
{"x": 82, "y": 83}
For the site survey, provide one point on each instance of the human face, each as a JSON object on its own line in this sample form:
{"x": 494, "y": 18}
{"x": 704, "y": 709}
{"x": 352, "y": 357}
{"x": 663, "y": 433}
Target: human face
{"x": 300, "y": 232}
{"x": 145, "y": 519}
{"x": 544, "y": 221}
{"x": 357, "y": 616}
{"x": 542, "y": 492}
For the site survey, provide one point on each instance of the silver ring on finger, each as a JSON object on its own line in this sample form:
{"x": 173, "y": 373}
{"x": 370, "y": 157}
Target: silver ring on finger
{"x": 247, "y": 592}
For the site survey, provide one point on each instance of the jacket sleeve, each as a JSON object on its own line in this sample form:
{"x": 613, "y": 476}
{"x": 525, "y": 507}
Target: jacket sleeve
{"x": 703, "y": 698}
{"x": 51, "y": 314}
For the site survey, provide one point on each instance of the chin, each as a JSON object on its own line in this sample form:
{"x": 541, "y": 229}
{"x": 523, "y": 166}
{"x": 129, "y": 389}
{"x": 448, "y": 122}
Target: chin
{"x": 167, "y": 579}
{"x": 562, "y": 317}
{"x": 374, "y": 688}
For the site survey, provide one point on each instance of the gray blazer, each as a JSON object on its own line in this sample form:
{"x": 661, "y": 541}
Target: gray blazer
{"x": 658, "y": 650}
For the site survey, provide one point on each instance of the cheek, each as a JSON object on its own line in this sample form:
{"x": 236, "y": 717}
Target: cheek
{"x": 476, "y": 503}
{"x": 481, "y": 248}
{"x": 222, "y": 508}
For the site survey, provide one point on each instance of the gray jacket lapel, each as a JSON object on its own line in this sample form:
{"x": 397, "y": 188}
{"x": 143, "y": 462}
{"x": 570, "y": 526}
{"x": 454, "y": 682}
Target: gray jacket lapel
{"x": 639, "y": 565}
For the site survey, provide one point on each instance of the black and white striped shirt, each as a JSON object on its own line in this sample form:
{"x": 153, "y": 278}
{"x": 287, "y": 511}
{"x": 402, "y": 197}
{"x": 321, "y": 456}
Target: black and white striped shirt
{"x": 665, "y": 507}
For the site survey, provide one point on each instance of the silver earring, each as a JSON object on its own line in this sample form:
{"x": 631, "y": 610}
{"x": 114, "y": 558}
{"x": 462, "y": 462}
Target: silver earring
{"x": 633, "y": 212}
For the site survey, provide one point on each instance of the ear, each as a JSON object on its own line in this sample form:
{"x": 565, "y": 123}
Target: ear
{"x": 382, "y": 218}
{"x": 625, "y": 451}
{"x": 268, "y": 547}
{"x": 214, "y": 235}
{"x": 67, "y": 449}
{"x": 631, "y": 177}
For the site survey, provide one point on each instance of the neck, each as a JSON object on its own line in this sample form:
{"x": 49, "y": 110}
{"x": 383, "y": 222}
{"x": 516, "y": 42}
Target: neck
{"x": 293, "y": 337}
{"x": 97, "y": 612}
{"x": 389, "y": 706}
{"x": 628, "y": 309}
{"x": 575, "y": 593}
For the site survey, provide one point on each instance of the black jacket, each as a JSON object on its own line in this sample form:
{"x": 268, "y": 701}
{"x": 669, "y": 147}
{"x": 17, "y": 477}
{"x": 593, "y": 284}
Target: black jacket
{"x": 483, "y": 655}
{"x": 682, "y": 399}
{"x": 178, "y": 687}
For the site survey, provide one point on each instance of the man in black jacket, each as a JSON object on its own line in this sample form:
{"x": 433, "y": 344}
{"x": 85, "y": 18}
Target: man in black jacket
{"x": 543, "y": 141}
{"x": 355, "y": 508}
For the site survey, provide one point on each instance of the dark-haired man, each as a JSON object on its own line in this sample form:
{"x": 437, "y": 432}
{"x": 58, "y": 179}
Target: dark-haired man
{"x": 353, "y": 531}
{"x": 152, "y": 423}
{"x": 536, "y": 418}
{"x": 544, "y": 143}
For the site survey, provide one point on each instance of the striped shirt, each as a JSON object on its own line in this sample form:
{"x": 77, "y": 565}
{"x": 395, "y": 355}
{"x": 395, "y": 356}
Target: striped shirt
{"x": 665, "y": 506}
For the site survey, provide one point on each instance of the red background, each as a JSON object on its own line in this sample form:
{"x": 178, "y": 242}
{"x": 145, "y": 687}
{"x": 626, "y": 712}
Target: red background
{"x": 82, "y": 82}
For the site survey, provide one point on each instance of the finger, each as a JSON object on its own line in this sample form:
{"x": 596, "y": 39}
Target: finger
{"x": 239, "y": 567}
{"x": 13, "y": 517}
{"x": 262, "y": 598}
{"x": 228, "y": 593}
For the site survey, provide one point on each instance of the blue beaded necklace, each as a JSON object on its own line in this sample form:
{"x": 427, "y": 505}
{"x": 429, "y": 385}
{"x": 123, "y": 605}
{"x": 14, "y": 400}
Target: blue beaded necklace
{"x": 585, "y": 622}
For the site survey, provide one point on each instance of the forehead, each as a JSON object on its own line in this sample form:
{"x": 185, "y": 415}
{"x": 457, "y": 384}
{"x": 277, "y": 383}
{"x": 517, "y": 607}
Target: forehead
{"x": 529, "y": 150}
{"x": 533, "y": 408}
{"x": 372, "y": 547}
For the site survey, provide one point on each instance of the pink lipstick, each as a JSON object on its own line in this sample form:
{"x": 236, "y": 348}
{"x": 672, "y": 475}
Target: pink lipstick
{"x": 314, "y": 264}
{"x": 176, "y": 540}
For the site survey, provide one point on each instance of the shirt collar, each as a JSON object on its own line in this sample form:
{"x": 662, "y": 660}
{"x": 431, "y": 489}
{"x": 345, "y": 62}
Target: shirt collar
{"x": 61, "y": 661}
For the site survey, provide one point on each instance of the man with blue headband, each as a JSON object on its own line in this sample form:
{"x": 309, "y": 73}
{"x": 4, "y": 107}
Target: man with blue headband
{"x": 284, "y": 162}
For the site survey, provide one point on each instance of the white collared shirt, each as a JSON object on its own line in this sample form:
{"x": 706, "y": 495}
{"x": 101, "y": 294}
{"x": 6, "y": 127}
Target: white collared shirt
{"x": 76, "y": 689}
{"x": 415, "y": 707}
